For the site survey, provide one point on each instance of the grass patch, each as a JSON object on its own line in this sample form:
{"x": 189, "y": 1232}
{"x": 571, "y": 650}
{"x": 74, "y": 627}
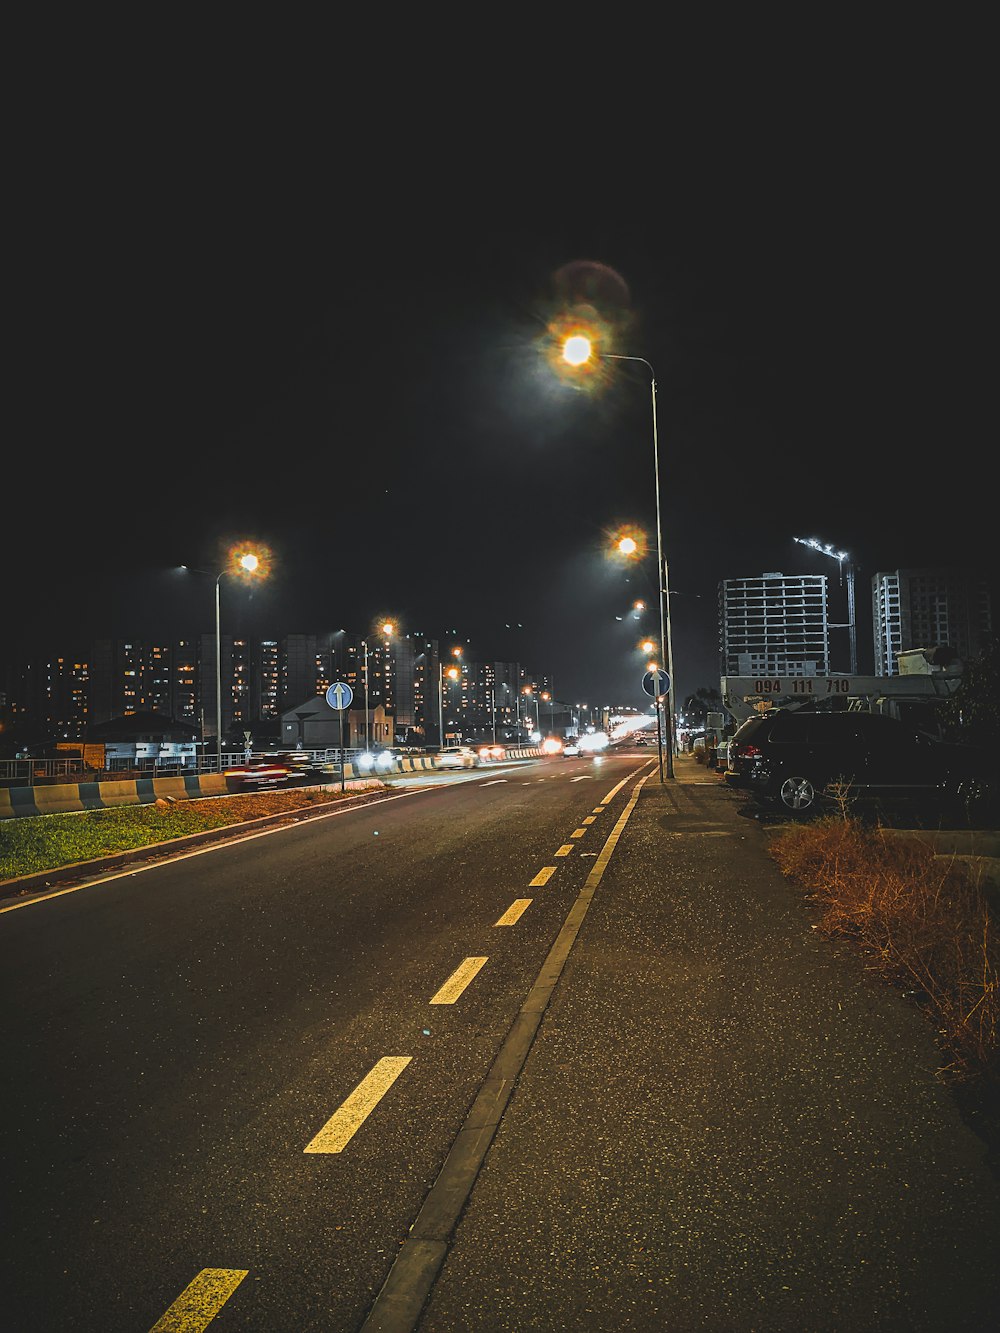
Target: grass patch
{"x": 37, "y": 843}
{"x": 922, "y": 923}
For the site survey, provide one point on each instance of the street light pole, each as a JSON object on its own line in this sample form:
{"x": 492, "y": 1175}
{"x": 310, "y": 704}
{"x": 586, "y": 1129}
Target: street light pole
{"x": 218, "y": 675}
{"x": 576, "y": 351}
{"x": 455, "y": 652}
{"x": 249, "y": 563}
{"x": 440, "y": 702}
{"x": 364, "y": 644}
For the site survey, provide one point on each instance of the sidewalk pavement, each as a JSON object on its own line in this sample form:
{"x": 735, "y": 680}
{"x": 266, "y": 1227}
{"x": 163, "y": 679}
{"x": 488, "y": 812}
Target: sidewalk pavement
{"x": 724, "y": 1122}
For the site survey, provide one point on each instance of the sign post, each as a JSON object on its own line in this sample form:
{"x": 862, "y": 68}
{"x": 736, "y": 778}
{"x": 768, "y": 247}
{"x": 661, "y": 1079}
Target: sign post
{"x": 339, "y": 697}
{"x": 657, "y": 684}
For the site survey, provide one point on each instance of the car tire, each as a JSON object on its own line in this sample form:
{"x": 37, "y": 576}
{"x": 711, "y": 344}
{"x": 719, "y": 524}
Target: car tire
{"x": 795, "y": 795}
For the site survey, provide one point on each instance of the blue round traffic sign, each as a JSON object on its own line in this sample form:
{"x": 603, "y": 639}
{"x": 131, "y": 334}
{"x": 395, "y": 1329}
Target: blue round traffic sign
{"x": 656, "y": 683}
{"x": 339, "y": 695}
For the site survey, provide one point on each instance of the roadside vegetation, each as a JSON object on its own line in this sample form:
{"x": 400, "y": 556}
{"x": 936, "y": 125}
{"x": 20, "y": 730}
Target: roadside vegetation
{"x": 923, "y": 923}
{"x": 47, "y": 842}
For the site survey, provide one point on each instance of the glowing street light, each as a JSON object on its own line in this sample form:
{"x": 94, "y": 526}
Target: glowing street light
{"x": 529, "y": 690}
{"x": 244, "y": 564}
{"x": 577, "y": 350}
{"x": 387, "y": 629}
{"x": 453, "y": 673}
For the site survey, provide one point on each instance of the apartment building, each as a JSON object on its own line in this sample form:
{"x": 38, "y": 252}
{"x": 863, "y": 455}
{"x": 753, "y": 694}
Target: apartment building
{"x": 774, "y": 625}
{"x": 61, "y": 697}
{"x": 928, "y": 608}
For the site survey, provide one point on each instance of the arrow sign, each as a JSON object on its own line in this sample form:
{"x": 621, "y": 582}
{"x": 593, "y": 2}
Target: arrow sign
{"x": 656, "y": 683}
{"x": 339, "y": 695}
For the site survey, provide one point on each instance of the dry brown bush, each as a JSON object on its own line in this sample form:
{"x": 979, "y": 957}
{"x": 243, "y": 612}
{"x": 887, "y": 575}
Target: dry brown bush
{"x": 920, "y": 921}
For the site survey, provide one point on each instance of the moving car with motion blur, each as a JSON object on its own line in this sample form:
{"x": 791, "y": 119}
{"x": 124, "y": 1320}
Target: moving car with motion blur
{"x": 256, "y": 775}
{"x": 488, "y": 750}
{"x": 457, "y": 756}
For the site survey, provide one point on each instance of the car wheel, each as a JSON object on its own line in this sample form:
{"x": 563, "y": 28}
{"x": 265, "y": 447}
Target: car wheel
{"x": 796, "y": 795}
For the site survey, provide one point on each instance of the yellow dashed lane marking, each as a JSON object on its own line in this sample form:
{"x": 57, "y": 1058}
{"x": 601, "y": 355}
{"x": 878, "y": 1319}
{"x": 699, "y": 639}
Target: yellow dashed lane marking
{"x": 514, "y": 912}
{"x": 351, "y": 1115}
{"x": 565, "y": 849}
{"x": 458, "y": 981}
{"x": 543, "y": 877}
{"x": 200, "y": 1301}
{"x": 589, "y": 819}
{"x": 578, "y": 833}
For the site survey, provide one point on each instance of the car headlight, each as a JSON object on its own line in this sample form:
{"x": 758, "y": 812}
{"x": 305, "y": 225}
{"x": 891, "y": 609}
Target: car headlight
{"x": 384, "y": 762}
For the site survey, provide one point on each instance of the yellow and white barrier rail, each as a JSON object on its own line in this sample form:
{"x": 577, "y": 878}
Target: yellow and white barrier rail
{"x": 71, "y": 797}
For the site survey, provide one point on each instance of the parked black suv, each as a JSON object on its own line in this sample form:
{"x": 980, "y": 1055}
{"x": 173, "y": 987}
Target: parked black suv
{"x": 794, "y": 758}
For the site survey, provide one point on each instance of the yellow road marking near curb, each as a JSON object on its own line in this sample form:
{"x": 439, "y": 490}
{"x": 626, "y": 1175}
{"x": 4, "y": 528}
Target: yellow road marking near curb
{"x": 424, "y": 1250}
{"x": 458, "y": 981}
{"x": 351, "y": 1114}
{"x": 614, "y": 791}
{"x": 514, "y": 912}
{"x": 565, "y": 849}
{"x": 543, "y": 877}
{"x": 200, "y": 1301}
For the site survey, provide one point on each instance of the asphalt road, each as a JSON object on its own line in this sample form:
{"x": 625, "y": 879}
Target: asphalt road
{"x": 552, "y": 1046}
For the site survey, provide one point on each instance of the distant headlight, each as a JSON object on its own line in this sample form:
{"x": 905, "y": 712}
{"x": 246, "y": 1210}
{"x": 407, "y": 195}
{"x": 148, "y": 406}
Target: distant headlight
{"x": 384, "y": 762}
{"x": 366, "y": 760}
{"x": 552, "y": 745}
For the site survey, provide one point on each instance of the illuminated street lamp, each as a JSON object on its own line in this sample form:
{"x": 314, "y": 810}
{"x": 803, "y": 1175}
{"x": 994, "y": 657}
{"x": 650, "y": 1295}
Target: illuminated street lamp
{"x": 387, "y": 629}
{"x": 576, "y": 351}
{"x": 244, "y": 564}
{"x": 529, "y": 690}
{"x": 840, "y": 556}
{"x": 453, "y": 673}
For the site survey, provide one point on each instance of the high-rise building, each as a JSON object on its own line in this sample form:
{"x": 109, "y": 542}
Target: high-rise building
{"x": 774, "y": 625}
{"x": 928, "y": 608}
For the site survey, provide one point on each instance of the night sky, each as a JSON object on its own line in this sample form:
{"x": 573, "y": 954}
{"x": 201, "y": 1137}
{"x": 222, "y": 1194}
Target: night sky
{"x": 321, "y": 325}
